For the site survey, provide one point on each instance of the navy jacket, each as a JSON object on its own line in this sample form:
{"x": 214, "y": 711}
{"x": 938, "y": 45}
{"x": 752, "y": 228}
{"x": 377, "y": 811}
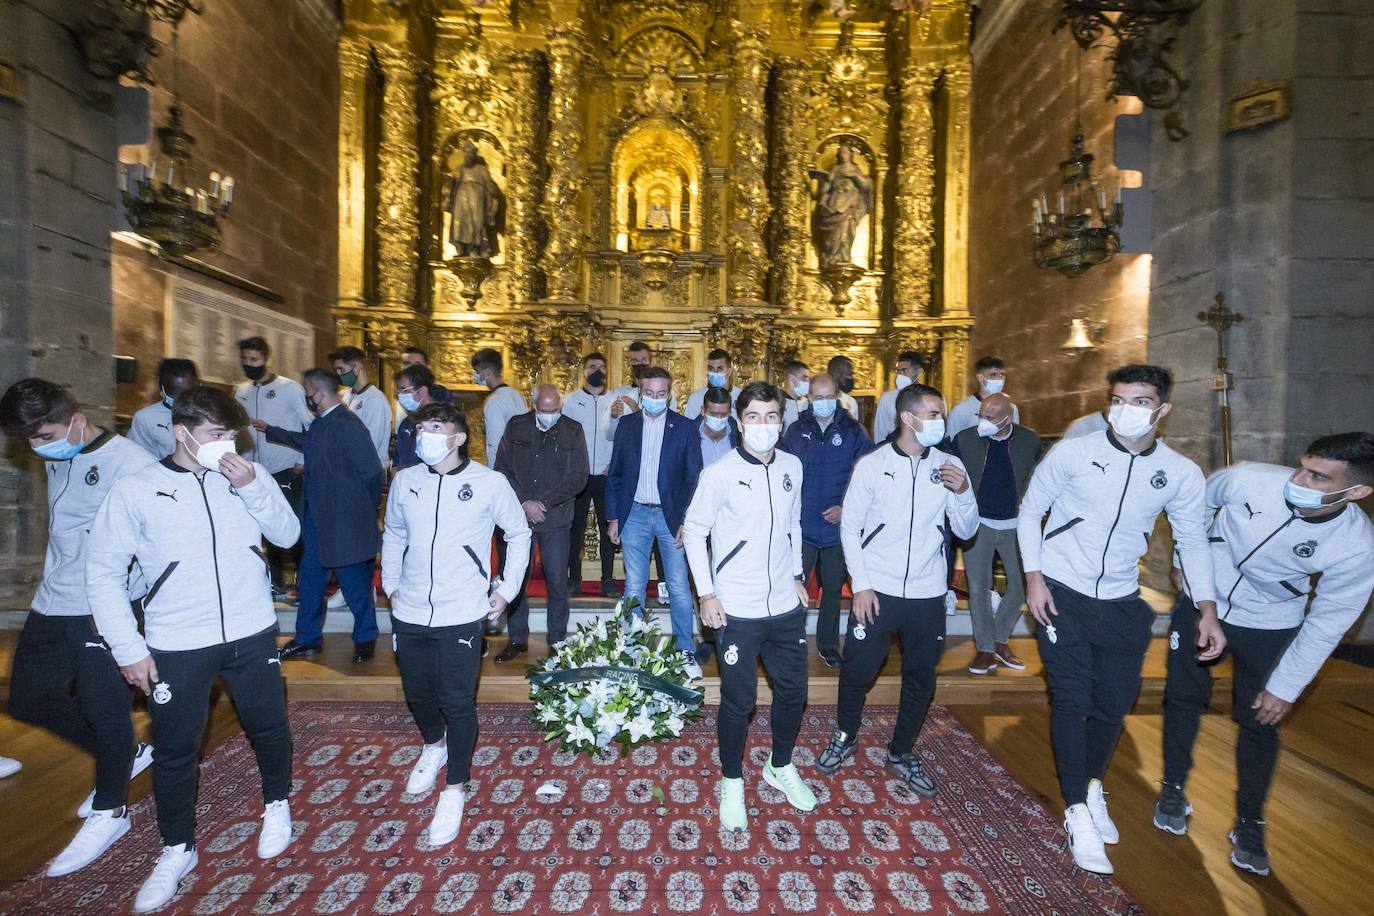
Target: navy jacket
{"x": 679, "y": 465}
{"x": 343, "y": 485}
{"x": 403, "y": 445}
{"x": 827, "y": 458}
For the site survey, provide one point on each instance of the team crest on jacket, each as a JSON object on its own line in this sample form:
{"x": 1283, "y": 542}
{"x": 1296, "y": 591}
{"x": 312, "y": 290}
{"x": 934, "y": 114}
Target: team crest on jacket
{"x": 465, "y": 493}
{"x": 787, "y": 482}
{"x": 271, "y": 394}
{"x": 1305, "y": 549}
{"x": 93, "y": 475}
{"x": 1159, "y": 481}
{"x": 934, "y": 475}
{"x": 837, "y": 440}
{"x": 731, "y": 654}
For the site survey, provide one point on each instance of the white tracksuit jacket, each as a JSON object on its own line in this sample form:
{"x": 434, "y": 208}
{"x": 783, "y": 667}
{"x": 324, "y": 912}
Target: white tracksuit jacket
{"x": 76, "y": 488}
{"x": 280, "y": 402}
{"x": 198, "y": 542}
{"x": 151, "y": 430}
{"x": 1103, "y": 503}
{"x": 752, "y": 513}
{"x": 894, "y": 519}
{"x": 436, "y": 545}
{"x": 1265, "y": 555}
{"x": 591, "y": 411}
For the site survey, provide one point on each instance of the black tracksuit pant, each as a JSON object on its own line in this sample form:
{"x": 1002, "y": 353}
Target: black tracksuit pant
{"x": 64, "y": 679}
{"x": 593, "y": 494}
{"x": 1187, "y": 692}
{"x": 439, "y": 676}
{"x": 829, "y": 561}
{"x": 1093, "y": 665}
{"x": 292, "y": 487}
{"x": 781, "y": 642}
{"x": 920, "y": 625}
{"x": 179, "y": 708}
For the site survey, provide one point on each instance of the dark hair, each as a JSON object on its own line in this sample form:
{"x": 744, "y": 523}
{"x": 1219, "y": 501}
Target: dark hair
{"x": 718, "y": 353}
{"x": 593, "y": 355}
{"x": 793, "y": 365}
{"x": 836, "y": 362}
{"x": 1140, "y": 374}
{"x": 424, "y": 355}
{"x": 913, "y": 394}
{"x": 169, "y": 370}
{"x": 1355, "y": 449}
{"x": 416, "y": 375}
{"x": 989, "y": 362}
{"x": 757, "y": 391}
{"x": 445, "y": 413}
{"x": 348, "y": 355}
{"x": 256, "y": 344}
{"x": 638, "y": 346}
{"x": 655, "y": 372}
{"x": 486, "y": 358}
{"x": 715, "y": 396}
{"x": 911, "y": 356}
{"x": 317, "y": 378}
{"x": 33, "y": 402}
{"x": 202, "y": 404}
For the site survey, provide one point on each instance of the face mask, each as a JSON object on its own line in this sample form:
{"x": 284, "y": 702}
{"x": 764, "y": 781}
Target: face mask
{"x": 208, "y": 454}
{"x": 823, "y": 408}
{"x": 547, "y": 420}
{"x": 253, "y": 373}
{"x": 432, "y": 448}
{"x": 930, "y": 433}
{"x": 993, "y": 385}
{"x": 597, "y": 379}
{"x": 348, "y": 379}
{"x": 60, "y": 449}
{"x": 166, "y": 398}
{"x": 653, "y": 406}
{"x": 313, "y": 404}
{"x": 716, "y": 424}
{"x": 902, "y": 381}
{"x": 408, "y": 402}
{"x": 637, "y": 370}
{"x": 1307, "y": 498}
{"x": 847, "y": 385}
{"x": 1130, "y": 421}
{"x": 760, "y": 437}
{"x": 715, "y": 379}
{"x": 801, "y": 389}
{"x": 987, "y": 428}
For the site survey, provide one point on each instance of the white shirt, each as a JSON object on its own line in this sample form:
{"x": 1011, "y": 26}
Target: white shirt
{"x": 281, "y": 403}
{"x": 697, "y": 398}
{"x": 650, "y": 449}
{"x": 885, "y": 417}
{"x": 608, "y": 422}
{"x": 848, "y": 402}
{"x": 503, "y": 403}
{"x": 964, "y": 415}
{"x": 791, "y": 409}
{"x": 1094, "y": 422}
{"x": 589, "y": 411}
{"x": 151, "y": 430}
{"x": 374, "y": 410}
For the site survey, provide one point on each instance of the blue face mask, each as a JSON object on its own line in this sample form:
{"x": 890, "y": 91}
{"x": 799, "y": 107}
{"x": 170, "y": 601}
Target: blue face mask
{"x": 716, "y": 379}
{"x": 716, "y": 424}
{"x": 408, "y": 402}
{"x": 60, "y": 449}
{"x": 823, "y": 408}
{"x": 166, "y": 399}
{"x": 1307, "y": 498}
{"x": 653, "y": 406}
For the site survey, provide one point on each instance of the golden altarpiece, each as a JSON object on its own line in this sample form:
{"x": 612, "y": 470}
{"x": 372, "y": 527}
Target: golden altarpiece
{"x": 781, "y": 178}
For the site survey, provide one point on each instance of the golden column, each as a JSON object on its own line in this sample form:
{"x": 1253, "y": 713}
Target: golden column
{"x": 955, "y": 128}
{"x": 562, "y": 209}
{"x": 523, "y": 190}
{"x": 748, "y": 258}
{"x": 793, "y": 228}
{"x": 398, "y": 196}
{"x": 914, "y": 243}
{"x": 353, "y": 65}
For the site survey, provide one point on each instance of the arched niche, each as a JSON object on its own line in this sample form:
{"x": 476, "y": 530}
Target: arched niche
{"x": 448, "y": 154}
{"x": 863, "y": 253}
{"x": 656, "y": 159}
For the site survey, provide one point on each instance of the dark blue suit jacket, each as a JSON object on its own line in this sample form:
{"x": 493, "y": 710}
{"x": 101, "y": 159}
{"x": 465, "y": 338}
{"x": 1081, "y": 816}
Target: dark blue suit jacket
{"x": 679, "y": 465}
{"x": 343, "y": 485}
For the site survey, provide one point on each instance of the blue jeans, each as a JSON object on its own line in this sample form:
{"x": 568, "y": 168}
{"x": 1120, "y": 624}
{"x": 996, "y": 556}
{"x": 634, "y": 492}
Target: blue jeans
{"x": 637, "y": 536}
{"x": 355, "y": 581}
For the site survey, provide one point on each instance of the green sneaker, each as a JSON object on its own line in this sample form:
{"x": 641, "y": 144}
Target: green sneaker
{"x": 789, "y": 782}
{"x": 733, "y": 814}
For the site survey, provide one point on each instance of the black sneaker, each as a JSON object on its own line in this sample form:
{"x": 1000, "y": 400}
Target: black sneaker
{"x": 831, "y": 658}
{"x": 1172, "y": 809}
{"x": 1247, "y": 846}
{"x": 841, "y": 746}
{"x": 908, "y": 767}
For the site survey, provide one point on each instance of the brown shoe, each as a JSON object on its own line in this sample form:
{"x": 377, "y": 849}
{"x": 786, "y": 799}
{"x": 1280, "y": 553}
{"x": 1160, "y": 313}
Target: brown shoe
{"x": 1008, "y": 657}
{"x": 982, "y": 663}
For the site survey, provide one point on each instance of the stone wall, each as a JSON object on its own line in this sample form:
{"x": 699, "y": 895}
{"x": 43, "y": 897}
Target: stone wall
{"x": 1023, "y": 113}
{"x": 260, "y": 93}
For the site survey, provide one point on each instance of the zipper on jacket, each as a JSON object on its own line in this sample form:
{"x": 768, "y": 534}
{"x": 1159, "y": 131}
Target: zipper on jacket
{"x": 768, "y": 563}
{"x": 1254, "y": 550}
{"x": 1106, "y": 545}
{"x": 433, "y": 539}
{"x": 911, "y": 522}
{"x": 52, "y": 512}
{"x": 214, "y": 553}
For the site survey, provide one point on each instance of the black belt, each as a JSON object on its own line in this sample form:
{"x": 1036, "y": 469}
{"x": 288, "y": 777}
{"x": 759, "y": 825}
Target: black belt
{"x": 649, "y": 505}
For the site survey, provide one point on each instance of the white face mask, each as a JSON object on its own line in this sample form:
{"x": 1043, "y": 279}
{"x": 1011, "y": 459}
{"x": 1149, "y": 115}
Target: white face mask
{"x": 987, "y": 427}
{"x": 993, "y": 385}
{"x": 761, "y": 437}
{"x": 931, "y": 431}
{"x": 208, "y": 454}
{"x": 902, "y": 381}
{"x": 432, "y": 448}
{"x": 546, "y": 420}
{"x": 1130, "y": 421}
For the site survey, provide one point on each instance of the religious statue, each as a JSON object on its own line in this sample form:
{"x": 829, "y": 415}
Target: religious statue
{"x": 843, "y": 198}
{"x": 474, "y": 205}
{"x": 658, "y": 215}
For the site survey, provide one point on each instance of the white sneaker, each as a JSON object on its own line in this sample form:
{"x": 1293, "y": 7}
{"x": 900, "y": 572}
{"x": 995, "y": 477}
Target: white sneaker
{"x": 995, "y": 598}
{"x": 448, "y": 817}
{"x": 951, "y": 603}
{"x": 426, "y": 769}
{"x": 692, "y": 668}
{"x": 1085, "y": 842}
{"x": 101, "y": 830}
{"x": 734, "y": 814}
{"x": 336, "y": 601}
{"x": 9, "y": 766}
{"x": 1097, "y": 807}
{"x": 174, "y": 864}
{"x": 276, "y": 830}
{"x": 143, "y": 758}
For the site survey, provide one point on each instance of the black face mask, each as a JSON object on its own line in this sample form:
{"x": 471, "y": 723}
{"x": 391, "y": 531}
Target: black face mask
{"x": 847, "y": 385}
{"x": 254, "y": 373}
{"x": 637, "y": 370}
{"x": 597, "y": 379}
{"x": 312, "y": 404}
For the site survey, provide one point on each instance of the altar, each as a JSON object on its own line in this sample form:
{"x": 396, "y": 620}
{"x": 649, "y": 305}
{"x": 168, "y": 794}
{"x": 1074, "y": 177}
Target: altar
{"x": 781, "y": 178}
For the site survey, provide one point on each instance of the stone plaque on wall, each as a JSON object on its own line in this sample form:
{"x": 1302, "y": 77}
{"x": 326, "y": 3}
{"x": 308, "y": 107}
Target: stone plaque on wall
{"x": 206, "y": 324}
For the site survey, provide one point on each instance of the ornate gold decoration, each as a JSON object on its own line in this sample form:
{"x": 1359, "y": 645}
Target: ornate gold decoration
{"x": 398, "y": 222}
{"x": 913, "y": 245}
{"x": 958, "y": 86}
{"x": 472, "y": 272}
{"x": 839, "y": 277}
{"x": 562, "y": 198}
{"x": 748, "y": 259}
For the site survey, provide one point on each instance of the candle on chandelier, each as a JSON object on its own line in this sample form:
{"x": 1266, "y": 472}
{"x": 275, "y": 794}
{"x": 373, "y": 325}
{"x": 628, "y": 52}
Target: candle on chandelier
{"x": 227, "y": 190}
{"x": 122, "y": 178}
{"x": 1102, "y": 200}
{"x": 1061, "y": 203}
{"x": 214, "y": 184}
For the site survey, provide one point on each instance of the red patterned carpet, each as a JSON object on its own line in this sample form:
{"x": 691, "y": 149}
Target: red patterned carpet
{"x": 872, "y": 846}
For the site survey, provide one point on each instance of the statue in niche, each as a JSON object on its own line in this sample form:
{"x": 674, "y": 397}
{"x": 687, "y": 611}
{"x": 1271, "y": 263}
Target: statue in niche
{"x": 475, "y": 203}
{"x": 843, "y": 196}
{"x": 658, "y": 215}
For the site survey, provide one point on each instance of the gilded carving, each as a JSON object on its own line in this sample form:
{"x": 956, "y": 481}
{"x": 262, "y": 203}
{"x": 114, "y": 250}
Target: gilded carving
{"x": 748, "y": 257}
{"x": 913, "y": 244}
{"x": 398, "y": 222}
{"x": 562, "y": 197}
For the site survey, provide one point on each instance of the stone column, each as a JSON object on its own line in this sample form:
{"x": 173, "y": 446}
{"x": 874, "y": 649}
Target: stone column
{"x": 353, "y": 67}
{"x": 748, "y": 257}
{"x": 793, "y": 223}
{"x": 954, "y": 128}
{"x": 523, "y": 191}
{"x": 398, "y": 198}
{"x": 563, "y": 195}
{"x": 913, "y": 244}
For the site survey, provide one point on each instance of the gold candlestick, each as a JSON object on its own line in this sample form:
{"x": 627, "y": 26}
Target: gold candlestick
{"x": 1220, "y": 318}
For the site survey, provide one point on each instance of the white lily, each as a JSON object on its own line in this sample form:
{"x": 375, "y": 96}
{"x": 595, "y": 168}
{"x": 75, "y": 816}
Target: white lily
{"x": 579, "y": 733}
{"x": 641, "y": 726}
